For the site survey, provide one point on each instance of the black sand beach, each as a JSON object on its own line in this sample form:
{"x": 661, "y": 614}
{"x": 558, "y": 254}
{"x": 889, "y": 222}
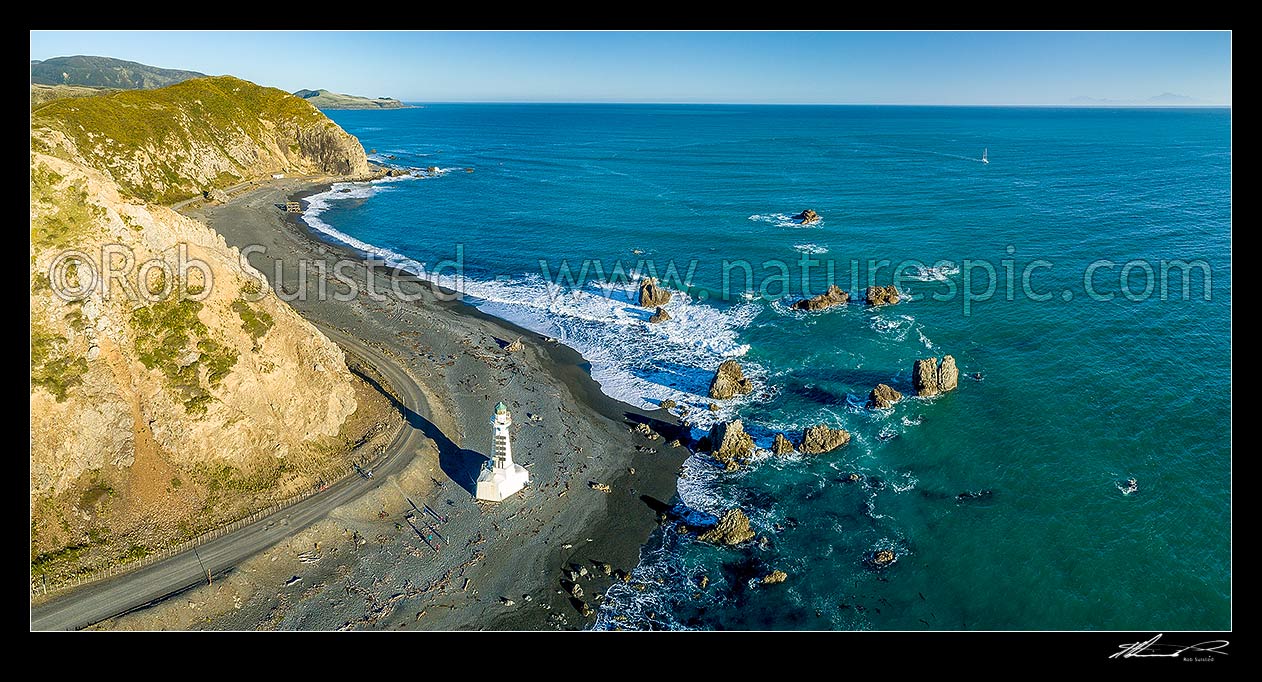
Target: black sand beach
{"x": 381, "y": 562}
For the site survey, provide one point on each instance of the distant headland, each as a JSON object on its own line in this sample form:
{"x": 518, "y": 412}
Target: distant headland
{"x": 323, "y": 99}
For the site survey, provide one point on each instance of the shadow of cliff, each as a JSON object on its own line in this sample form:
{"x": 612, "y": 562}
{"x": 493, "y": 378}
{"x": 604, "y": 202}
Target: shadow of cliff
{"x": 461, "y": 465}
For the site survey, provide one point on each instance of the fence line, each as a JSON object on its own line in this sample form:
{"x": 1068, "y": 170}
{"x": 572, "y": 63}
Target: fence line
{"x": 340, "y": 473}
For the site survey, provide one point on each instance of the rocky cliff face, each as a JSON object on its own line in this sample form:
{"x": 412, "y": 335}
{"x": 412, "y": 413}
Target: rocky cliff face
{"x": 225, "y": 378}
{"x": 182, "y": 388}
{"x": 176, "y": 142}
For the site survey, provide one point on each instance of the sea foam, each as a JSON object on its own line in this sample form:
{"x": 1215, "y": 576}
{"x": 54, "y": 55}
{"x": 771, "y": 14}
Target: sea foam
{"x": 938, "y": 272}
{"x": 782, "y": 220}
{"x": 633, "y": 360}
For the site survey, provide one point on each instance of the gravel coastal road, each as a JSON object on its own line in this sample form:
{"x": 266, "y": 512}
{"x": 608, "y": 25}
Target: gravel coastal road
{"x": 98, "y": 601}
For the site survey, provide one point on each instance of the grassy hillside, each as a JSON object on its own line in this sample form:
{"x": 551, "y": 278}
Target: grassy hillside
{"x": 105, "y": 72}
{"x": 175, "y": 142}
{"x": 43, "y": 94}
{"x": 323, "y": 99}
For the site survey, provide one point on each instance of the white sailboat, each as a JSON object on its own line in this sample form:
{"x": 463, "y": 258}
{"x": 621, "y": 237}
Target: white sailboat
{"x": 984, "y": 159}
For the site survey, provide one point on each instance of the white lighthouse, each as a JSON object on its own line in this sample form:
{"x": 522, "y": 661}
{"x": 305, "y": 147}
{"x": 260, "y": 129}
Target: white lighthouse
{"x": 500, "y": 476}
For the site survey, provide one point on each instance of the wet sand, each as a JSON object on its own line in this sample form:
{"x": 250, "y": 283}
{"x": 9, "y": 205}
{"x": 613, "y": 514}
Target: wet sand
{"x": 387, "y": 560}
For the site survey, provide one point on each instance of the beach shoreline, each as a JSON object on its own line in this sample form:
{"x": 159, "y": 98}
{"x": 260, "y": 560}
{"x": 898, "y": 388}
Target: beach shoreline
{"x": 501, "y": 567}
{"x": 566, "y": 362}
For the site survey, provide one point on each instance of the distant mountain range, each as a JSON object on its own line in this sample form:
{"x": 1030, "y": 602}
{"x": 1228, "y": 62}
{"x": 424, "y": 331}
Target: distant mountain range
{"x": 1171, "y": 98}
{"x": 84, "y": 76}
{"x": 105, "y": 72}
{"x": 323, "y": 99}
{"x": 1164, "y": 99}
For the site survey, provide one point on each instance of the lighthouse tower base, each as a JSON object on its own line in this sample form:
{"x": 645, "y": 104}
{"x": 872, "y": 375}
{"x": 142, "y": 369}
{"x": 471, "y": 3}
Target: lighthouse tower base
{"x": 495, "y": 484}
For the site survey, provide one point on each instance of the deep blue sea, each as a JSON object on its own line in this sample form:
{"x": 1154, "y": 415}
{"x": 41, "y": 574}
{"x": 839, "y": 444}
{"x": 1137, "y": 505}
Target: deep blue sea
{"x": 1078, "y": 392}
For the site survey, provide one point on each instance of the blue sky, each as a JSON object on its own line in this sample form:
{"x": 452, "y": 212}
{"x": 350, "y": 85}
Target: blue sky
{"x": 810, "y": 67}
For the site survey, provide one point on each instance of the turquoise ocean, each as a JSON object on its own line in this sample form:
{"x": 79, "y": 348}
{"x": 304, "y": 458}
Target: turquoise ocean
{"x": 1065, "y": 394}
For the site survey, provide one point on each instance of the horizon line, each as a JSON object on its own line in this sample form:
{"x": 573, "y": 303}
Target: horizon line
{"x": 1110, "y": 105}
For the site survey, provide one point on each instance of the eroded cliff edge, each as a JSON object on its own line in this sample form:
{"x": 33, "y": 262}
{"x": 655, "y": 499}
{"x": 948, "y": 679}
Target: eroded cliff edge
{"x": 177, "y": 396}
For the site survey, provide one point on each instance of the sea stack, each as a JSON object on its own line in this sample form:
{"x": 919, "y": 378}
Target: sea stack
{"x": 729, "y": 381}
{"x": 659, "y": 315}
{"x": 886, "y": 295}
{"x": 781, "y": 445}
{"x": 883, "y": 397}
{"x": 732, "y": 529}
{"x": 651, "y": 295}
{"x": 819, "y": 439}
{"x": 834, "y": 296}
{"x": 807, "y": 217}
{"x": 930, "y": 378}
{"x": 948, "y": 374}
{"x": 729, "y": 444}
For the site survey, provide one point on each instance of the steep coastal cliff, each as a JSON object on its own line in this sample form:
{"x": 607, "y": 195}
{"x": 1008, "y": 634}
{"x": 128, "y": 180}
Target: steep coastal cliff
{"x": 180, "y": 394}
{"x": 176, "y": 142}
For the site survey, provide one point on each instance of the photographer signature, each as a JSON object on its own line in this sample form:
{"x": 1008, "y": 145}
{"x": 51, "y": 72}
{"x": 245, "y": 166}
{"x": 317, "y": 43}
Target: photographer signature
{"x": 1151, "y": 649}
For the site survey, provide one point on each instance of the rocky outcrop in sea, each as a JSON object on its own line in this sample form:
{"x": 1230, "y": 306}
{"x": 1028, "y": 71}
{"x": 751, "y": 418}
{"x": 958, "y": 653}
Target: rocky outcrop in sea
{"x": 930, "y": 378}
{"x": 883, "y": 397}
{"x": 774, "y": 577}
{"x": 834, "y": 296}
{"x": 882, "y": 558}
{"x": 651, "y": 295}
{"x": 819, "y": 439}
{"x": 729, "y": 381}
{"x": 886, "y": 295}
{"x": 729, "y": 444}
{"x": 807, "y": 217}
{"x": 660, "y": 315}
{"x": 781, "y": 445}
{"x": 732, "y": 529}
